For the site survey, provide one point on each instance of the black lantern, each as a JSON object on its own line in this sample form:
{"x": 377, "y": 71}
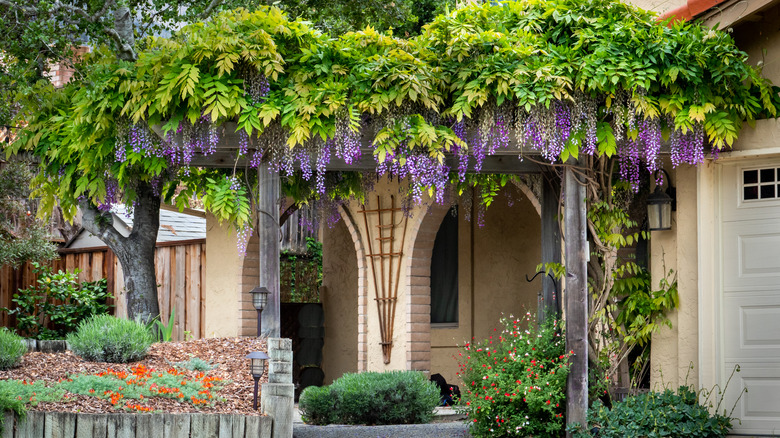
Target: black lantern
{"x": 259, "y": 300}
{"x": 660, "y": 205}
{"x": 256, "y": 367}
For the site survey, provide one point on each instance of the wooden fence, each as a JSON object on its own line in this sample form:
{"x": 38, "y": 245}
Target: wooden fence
{"x": 180, "y": 268}
{"x": 69, "y": 425}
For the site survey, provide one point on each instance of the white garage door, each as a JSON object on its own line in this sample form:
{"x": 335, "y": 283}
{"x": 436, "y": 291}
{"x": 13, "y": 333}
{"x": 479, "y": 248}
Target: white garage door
{"x": 750, "y": 300}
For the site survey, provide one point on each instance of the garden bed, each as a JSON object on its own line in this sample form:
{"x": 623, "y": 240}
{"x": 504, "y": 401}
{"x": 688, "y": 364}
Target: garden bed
{"x": 233, "y": 395}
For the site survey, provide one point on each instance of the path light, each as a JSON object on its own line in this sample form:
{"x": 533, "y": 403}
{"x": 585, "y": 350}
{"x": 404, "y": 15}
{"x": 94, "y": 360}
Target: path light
{"x": 660, "y": 205}
{"x": 256, "y": 367}
{"x": 259, "y": 300}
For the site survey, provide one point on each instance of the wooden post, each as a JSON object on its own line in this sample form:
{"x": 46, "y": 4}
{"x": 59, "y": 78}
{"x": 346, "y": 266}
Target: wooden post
{"x": 551, "y": 249}
{"x": 269, "y": 190}
{"x": 576, "y": 297}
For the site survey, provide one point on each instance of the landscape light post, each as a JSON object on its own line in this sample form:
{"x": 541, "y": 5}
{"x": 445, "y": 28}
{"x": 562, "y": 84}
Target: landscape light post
{"x": 259, "y": 300}
{"x": 256, "y": 366}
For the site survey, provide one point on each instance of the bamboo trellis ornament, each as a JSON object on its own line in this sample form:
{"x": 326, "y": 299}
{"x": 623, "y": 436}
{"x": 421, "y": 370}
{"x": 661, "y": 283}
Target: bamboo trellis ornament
{"x": 386, "y": 256}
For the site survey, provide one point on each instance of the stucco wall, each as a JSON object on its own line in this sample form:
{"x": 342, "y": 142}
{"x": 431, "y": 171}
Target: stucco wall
{"x": 223, "y": 274}
{"x": 374, "y": 359}
{"x": 674, "y": 357}
{"x": 340, "y": 302}
{"x": 506, "y": 249}
{"x": 688, "y": 248}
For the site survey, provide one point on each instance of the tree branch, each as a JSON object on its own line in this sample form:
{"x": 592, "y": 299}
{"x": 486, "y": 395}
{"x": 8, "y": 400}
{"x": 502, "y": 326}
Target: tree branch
{"x": 207, "y": 12}
{"x": 100, "y": 224}
{"x": 124, "y": 40}
{"x": 58, "y": 6}
{"x": 287, "y": 213}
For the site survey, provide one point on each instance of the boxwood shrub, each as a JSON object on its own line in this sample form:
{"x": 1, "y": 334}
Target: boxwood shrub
{"x": 11, "y": 349}
{"x": 395, "y": 397}
{"x": 104, "y": 338}
{"x": 656, "y": 415}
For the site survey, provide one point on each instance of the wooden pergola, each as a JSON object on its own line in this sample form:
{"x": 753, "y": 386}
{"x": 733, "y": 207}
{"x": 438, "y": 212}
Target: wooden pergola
{"x": 575, "y": 303}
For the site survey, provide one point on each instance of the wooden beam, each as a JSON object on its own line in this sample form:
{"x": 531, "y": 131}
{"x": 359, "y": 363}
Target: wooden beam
{"x": 499, "y": 163}
{"x": 734, "y": 12}
{"x": 269, "y": 191}
{"x": 576, "y": 297}
{"x": 551, "y": 248}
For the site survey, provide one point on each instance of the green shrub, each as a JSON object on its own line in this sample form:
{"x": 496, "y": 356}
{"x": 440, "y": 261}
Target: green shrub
{"x": 514, "y": 383}
{"x": 195, "y": 364}
{"x": 11, "y": 349}
{"x": 395, "y": 397}
{"x": 78, "y": 301}
{"x": 656, "y": 415}
{"x": 104, "y": 338}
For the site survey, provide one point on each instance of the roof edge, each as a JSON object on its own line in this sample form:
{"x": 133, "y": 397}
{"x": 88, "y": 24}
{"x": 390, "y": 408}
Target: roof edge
{"x": 690, "y": 9}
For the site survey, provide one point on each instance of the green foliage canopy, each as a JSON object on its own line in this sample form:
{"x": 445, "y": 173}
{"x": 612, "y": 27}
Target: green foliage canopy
{"x": 604, "y": 73}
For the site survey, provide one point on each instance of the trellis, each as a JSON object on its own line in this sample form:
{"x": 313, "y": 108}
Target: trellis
{"x": 390, "y": 255}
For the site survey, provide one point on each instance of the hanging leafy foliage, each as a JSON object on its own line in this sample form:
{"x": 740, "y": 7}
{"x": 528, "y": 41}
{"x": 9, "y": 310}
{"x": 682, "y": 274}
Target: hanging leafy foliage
{"x": 556, "y": 79}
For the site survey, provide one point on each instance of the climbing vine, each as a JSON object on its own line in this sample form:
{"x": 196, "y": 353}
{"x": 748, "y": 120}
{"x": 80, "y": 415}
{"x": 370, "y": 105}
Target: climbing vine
{"x": 542, "y": 80}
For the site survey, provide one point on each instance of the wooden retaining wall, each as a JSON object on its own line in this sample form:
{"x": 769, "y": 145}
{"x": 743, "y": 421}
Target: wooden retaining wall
{"x": 181, "y": 276}
{"x": 70, "y": 425}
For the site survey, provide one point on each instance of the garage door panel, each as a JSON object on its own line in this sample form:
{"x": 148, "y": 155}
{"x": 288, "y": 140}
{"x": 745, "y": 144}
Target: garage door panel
{"x": 752, "y": 326}
{"x": 751, "y": 253}
{"x": 735, "y": 208}
{"x": 759, "y": 406}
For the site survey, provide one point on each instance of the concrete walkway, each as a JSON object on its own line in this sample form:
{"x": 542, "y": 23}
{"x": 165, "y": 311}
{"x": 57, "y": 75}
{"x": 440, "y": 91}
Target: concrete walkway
{"x": 447, "y": 423}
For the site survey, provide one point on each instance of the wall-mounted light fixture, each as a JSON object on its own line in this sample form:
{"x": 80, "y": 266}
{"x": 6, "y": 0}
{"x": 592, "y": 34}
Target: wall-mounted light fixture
{"x": 660, "y": 204}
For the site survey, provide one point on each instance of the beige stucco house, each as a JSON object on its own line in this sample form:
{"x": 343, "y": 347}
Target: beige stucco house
{"x": 724, "y": 246}
{"x": 491, "y": 264}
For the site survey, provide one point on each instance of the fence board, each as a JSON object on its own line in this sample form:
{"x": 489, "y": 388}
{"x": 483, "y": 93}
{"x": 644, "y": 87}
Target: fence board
{"x": 118, "y": 289}
{"x": 202, "y": 267}
{"x": 178, "y": 270}
{"x": 193, "y": 292}
{"x": 180, "y": 274}
{"x": 163, "y": 267}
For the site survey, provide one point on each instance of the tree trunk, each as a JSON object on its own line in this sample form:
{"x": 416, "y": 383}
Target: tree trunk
{"x": 123, "y": 24}
{"x": 135, "y": 252}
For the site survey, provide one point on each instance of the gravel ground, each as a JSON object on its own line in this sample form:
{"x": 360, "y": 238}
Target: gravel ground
{"x": 432, "y": 430}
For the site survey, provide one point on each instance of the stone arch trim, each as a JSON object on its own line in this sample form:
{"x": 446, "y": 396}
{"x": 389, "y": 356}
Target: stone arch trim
{"x": 422, "y": 228}
{"x": 354, "y": 232}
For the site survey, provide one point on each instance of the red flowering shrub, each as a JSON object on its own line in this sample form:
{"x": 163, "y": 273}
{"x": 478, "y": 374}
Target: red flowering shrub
{"x": 514, "y": 383}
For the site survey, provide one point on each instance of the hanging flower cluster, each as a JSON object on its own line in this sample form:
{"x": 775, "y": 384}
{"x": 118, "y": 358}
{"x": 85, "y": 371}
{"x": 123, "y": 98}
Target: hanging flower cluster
{"x": 544, "y": 80}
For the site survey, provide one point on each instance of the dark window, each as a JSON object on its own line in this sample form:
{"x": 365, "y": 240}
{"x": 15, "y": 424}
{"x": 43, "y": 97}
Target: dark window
{"x": 751, "y": 193}
{"x": 760, "y": 184}
{"x": 767, "y": 175}
{"x": 750, "y": 177}
{"x": 444, "y": 271}
{"x": 767, "y": 192}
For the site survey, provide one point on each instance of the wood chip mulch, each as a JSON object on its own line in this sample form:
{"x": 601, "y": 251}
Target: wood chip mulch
{"x": 228, "y": 354}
